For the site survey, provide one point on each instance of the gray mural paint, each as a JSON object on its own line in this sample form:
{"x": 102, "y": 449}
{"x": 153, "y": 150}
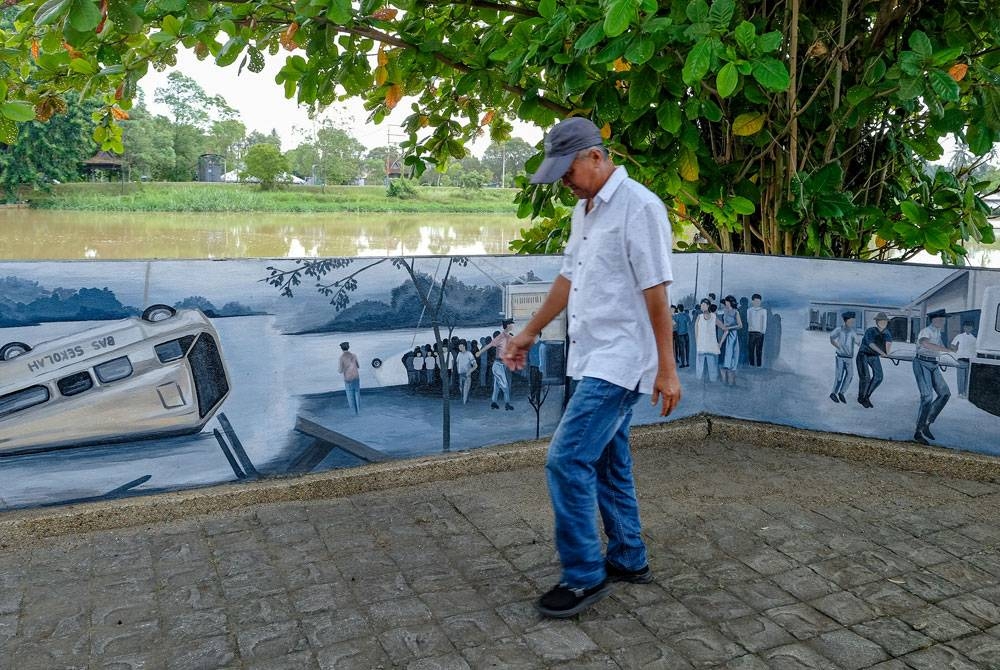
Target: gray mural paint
{"x": 283, "y": 409}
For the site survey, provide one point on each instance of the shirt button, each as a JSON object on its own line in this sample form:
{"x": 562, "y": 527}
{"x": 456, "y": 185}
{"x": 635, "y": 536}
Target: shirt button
{"x": 584, "y": 237}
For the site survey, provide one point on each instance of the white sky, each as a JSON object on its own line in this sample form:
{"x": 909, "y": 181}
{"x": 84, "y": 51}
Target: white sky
{"x": 262, "y": 105}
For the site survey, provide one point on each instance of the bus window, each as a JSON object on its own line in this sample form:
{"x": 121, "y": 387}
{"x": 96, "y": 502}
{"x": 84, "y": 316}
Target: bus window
{"x": 174, "y": 349}
{"x": 996, "y": 326}
{"x": 113, "y": 370}
{"x": 18, "y": 400}
{"x": 75, "y": 383}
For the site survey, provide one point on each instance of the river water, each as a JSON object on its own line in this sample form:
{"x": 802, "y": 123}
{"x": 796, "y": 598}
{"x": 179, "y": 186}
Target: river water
{"x": 30, "y": 234}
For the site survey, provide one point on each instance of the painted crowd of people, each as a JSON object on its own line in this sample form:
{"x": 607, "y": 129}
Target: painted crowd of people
{"x": 726, "y": 336}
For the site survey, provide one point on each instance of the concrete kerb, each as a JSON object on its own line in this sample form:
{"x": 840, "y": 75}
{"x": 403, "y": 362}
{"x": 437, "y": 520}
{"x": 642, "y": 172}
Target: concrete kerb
{"x": 20, "y": 528}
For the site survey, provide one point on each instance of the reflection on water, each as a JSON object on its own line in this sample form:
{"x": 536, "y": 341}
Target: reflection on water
{"x": 43, "y": 234}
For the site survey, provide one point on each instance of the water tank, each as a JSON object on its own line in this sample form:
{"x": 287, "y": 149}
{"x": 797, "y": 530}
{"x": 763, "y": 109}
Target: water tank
{"x": 211, "y": 167}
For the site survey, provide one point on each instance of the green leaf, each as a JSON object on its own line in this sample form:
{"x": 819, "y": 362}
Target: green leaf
{"x": 979, "y": 138}
{"x": 721, "y": 14}
{"x": 742, "y": 205}
{"x": 748, "y": 123}
{"x": 668, "y": 115}
{"x": 911, "y": 63}
{"x": 699, "y": 60}
{"x": 84, "y": 15}
{"x": 825, "y": 180}
{"x": 51, "y": 11}
{"x": 8, "y": 130}
{"x": 711, "y": 111}
{"x": 911, "y": 88}
{"x": 620, "y": 15}
{"x": 771, "y": 74}
{"x": 547, "y": 8}
{"x": 943, "y": 85}
{"x": 82, "y": 66}
{"x": 642, "y": 91}
{"x": 769, "y": 42}
{"x": 944, "y": 56}
{"x": 697, "y": 11}
{"x": 171, "y": 25}
{"x": 914, "y": 212}
{"x": 18, "y": 110}
{"x": 172, "y": 5}
{"x": 339, "y": 11}
{"x": 746, "y": 37}
{"x": 590, "y": 37}
{"x": 640, "y": 50}
{"x": 727, "y": 80}
{"x": 230, "y": 51}
{"x": 857, "y": 94}
{"x": 921, "y": 44}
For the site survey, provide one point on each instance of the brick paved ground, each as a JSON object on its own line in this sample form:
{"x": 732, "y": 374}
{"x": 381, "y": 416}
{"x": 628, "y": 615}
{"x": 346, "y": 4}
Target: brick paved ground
{"x": 764, "y": 559}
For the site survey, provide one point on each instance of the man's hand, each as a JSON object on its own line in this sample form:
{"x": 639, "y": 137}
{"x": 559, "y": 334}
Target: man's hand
{"x": 668, "y": 387}
{"x": 515, "y": 356}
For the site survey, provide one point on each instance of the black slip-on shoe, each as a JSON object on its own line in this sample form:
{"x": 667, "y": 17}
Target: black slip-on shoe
{"x": 615, "y": 574}
{"x": 919, "y": 437}
{"x": 561, "y": 601}
{"x": 842, "y": 398}
{"x": 928, "y": 434}
{"x": 834, "y": 398}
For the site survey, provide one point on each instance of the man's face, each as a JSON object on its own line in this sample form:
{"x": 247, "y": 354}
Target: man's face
{"x": 881, "y": 324}
{"x": 849, "y": 323}
{"x": 756, "y": 302}
{"x": 461, "y": 347}
{"x": 584, "y": 176}
{"x": 938, "y": 322}
{"x": 704, "y": 307}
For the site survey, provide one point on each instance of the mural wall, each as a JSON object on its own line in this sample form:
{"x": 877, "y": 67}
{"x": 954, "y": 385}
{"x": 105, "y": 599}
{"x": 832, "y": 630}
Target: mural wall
{"x": 124, "y": 378}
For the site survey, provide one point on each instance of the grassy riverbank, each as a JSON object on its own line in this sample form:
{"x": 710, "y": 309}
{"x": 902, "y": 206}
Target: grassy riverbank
{"x": 205, "y": 197}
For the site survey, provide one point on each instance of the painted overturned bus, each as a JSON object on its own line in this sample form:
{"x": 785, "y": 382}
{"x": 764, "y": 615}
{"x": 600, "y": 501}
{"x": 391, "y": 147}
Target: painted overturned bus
{"x": 157, "y": 375}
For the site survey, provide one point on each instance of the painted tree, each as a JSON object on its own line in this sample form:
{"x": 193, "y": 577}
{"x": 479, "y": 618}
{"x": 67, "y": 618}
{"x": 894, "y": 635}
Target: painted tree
{"x": 432, "y": 297}
{"x": 781, "y": 126}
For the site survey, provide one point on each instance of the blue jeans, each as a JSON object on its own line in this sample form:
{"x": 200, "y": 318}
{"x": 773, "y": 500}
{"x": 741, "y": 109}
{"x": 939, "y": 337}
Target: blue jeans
{"x": 589, "y": 467}
{"x": 843, "y": 373}
{"x": 709, "y": 363}
{"x": 934, "y": 391}
{"x": 352, "y": 389}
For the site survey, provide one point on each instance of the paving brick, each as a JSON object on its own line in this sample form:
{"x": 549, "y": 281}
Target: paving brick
{"x": 667, "y": 618}
{"x": 650, "y": 656}
{"x": 918, "y": 551}
{"x": 845, "y": 571}
{"x": 928, "y": 586}
{"x": 977, "y": 611}
{"x": 887, "y": 597}
{"x": 798, "y": 656}
{"x": 475, "y": 628}
{"x": 756, "y": 633}
{"x": 843, "y": 607}
{"x": 716, "y": 605}
{"x": 937, "y": 623}
{"x": 848, "y": 649}
{"x": 406, "y": 644}
{"x": 963, "y": 574}
{"x": 510, "y": 653}
{"x": 804, "y": 583}
{"x": 617, "y": 632}
{"x": 981, "y": 649}
{"x": 561, "y": 641}
{"x": 801, "y": 620}
{"x": 359, "y": 654}
{"x": 954, "y": 543}
{"x": 705, "y": 647}
{"x": 938, "y": 657}
{"x": 273, "y": 639}
{"x": 210, "y": 652}
{"x": 762, "y": 595}
{"x": 893, "y": 635}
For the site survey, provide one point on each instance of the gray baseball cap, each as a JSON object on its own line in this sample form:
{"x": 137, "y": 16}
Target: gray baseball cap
{"x": 566, "y": 138}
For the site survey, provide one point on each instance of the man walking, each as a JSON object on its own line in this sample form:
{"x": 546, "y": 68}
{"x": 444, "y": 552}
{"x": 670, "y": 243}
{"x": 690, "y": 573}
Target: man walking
{"x": 501, "y": 376}
{"x": 352, "y": 377}
{"x": 613, "y": 285}
{"x": 874, "y": 345}
{"x": 682, "y": 328}
{"x": 843, "y": 340}
{"x": 934, "y": 391}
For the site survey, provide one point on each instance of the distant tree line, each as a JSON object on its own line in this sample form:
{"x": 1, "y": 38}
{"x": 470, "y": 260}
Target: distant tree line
{"x": 167, "y": 147}
{"x": 27, "y": 303}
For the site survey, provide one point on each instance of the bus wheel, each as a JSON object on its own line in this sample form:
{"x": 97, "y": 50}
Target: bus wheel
{"x": 155, "y": 313}
{"x": 12, "y": 350}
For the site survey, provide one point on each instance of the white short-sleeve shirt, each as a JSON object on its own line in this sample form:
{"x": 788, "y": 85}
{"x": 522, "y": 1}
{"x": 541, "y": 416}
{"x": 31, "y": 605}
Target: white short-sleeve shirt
{"x": 615, "y": 252}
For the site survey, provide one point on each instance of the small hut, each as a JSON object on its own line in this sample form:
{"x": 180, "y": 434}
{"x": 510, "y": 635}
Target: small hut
{"x": 101, "y": 165}
{"x": 211, "y": 167}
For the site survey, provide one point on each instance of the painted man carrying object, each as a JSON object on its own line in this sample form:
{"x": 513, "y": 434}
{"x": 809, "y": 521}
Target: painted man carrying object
{"x": 613, "y": 285}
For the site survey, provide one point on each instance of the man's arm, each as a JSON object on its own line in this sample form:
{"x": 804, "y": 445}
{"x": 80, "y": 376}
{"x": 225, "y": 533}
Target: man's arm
{"x": 666, "y": 385}
{"x": 516, "y": 354}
